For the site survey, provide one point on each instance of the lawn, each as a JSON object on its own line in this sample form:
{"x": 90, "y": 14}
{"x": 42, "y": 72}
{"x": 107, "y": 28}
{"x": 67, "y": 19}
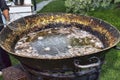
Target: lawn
{"x": 39, "y": 1}
{"x": 111, "y": 68}
{"x": 55, "y": 6}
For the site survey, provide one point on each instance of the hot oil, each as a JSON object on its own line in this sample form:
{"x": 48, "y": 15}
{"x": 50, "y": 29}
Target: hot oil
{"x": 60, "y": 42}
{"x": 48, "y": 41}
{"x": 52, "y": 44}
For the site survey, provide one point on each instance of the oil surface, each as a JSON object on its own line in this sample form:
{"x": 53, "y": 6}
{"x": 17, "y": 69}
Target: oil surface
{"x": 58, "y": 42}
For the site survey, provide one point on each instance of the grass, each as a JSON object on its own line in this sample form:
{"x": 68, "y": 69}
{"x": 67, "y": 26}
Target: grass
{"x": 111, "y": 68}
{"x": 55, "y": 6}
{"x": 39, "y": 1}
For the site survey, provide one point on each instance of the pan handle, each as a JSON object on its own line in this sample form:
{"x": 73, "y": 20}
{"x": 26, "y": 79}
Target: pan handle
{"x": 77, "y": 63}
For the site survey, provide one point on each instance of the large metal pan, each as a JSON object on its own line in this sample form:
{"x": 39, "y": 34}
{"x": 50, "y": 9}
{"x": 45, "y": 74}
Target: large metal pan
{"x": 108, "y": 34}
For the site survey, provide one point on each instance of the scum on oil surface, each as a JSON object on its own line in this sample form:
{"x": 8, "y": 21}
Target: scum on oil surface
{"x": 58, "y": 42}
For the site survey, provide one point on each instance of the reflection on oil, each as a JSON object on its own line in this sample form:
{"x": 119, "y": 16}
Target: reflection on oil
{"x": 55, "y": 44}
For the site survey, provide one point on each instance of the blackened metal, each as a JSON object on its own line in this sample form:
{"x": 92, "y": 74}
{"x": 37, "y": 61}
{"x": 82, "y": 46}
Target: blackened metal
{"x": 89, "y": 73}
{"x": 107, "y": 33}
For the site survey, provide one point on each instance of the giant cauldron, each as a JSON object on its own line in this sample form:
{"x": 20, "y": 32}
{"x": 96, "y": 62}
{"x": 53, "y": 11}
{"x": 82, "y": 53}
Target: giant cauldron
{"x": 107, "y": 33}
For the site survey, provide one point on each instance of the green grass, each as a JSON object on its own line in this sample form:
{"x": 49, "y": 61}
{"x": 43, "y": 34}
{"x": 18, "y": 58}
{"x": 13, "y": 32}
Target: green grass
{"x": 111, "y": 68}
{"x": 55, "y": 6}
{"x": 39, "y": 1}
